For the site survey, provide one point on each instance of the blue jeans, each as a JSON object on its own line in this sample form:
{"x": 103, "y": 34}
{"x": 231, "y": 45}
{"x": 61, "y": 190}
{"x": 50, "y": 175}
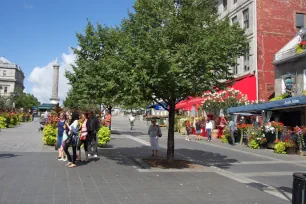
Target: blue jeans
{"x": 208, "y": 133}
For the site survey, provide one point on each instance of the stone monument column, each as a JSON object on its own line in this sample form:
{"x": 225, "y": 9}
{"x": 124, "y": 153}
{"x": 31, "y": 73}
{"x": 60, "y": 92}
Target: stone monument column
{"x": 54, "y": 98}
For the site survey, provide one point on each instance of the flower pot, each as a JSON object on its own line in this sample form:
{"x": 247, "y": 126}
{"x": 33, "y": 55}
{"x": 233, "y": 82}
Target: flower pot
{"x": 263, "y": 146}
{"x": 291, "y": 150}
{"x": 214, "y": 133}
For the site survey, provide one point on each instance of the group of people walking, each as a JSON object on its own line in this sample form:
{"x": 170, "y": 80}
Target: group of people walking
{"x": 68, "y": 135}
{"x": 199, "y": 126}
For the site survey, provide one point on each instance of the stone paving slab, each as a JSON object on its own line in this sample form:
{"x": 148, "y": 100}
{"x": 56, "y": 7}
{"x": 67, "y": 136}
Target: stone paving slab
{"x": 113, "y": 179}
{"x": 28, "y": 176}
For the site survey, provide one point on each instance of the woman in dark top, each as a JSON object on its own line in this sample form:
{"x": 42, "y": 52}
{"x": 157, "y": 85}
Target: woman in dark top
{"x": 198, "y": 130}
{"x": 60, "y": 127}
{"x": 84, "y": 137}
{"x": 72, "y": 141}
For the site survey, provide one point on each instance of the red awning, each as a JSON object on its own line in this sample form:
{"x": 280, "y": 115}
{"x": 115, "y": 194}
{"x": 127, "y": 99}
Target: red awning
{"x": 245, "y": 84}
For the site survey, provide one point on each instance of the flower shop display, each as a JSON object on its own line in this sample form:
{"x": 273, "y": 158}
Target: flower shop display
{"x": 256, "y": 138}
{"x": 279, "y": 127}
{"x": 243, "y": 130}
{"x": 269, "y": 132}
{"x": 290, "y": 145}
{"x": 300, "y": 133}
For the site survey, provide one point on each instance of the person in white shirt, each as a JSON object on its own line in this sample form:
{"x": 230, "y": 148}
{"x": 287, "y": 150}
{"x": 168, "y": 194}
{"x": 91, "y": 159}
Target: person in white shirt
{"x": 154, "y": 133}
{"x": 208, "y": 128}
{"x": 132, "y": 119}
{"x": 46, "y": 114}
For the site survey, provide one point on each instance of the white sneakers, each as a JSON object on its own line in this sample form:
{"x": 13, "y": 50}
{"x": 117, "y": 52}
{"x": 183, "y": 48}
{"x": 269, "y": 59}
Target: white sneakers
{"x": 95, "y": 156}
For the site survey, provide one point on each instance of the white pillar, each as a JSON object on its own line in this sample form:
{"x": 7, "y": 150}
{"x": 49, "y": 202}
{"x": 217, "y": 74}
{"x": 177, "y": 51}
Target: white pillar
{"x": 54, "y": 98}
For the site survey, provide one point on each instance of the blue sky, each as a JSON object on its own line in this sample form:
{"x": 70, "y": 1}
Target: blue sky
{"x": 34, "y": 32}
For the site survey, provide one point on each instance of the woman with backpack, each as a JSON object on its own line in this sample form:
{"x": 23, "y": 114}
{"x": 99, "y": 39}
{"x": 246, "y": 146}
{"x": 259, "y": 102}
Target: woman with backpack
{"x": 72, "y": 140}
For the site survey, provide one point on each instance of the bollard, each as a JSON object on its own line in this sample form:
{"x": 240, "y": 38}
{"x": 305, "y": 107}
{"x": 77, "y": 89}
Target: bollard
{"x": 299, "y": 188}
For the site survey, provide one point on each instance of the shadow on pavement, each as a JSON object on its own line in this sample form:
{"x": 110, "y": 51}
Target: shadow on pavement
{"x": 127, "y": 155}
{"x": 8, "y": 156}
{"x": 280, "y": 190}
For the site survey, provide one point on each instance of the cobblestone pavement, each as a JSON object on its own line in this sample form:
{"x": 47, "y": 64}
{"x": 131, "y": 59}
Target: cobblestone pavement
{"x": 29, "y": 173}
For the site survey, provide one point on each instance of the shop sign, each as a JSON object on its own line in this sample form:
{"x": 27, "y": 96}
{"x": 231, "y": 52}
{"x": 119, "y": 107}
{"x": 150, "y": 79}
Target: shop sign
{"x": 293, "y": 101}
{"x": 289, "y": 82}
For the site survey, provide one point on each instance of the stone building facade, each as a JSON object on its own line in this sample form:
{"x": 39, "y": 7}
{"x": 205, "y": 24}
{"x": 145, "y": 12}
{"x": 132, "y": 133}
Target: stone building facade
{"x": 11, "y": 77}
{"x": 270, "y": 24}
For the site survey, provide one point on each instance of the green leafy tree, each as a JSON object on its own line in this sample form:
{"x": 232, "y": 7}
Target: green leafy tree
{"x": 94, "y": 78}
{"x": 172, "y": 51}
{"x": 24, "y": 100}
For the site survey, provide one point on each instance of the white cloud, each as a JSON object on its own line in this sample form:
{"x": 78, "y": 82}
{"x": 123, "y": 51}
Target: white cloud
{"x": 27, "y": 6}
{"x": 41, "y": 78}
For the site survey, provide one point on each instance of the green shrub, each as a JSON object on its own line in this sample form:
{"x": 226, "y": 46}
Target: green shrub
{"x": 253, "y": 144}
{"x": 281, "y": 97}
{"x": 280, "y": 148}
{"x": 49, "y": 135}
{"x": 2, "y": 122}
{"x": 224, "y": 138}
{"x": 103, "y": 136}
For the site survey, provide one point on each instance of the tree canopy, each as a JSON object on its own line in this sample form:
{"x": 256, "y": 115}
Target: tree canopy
{"x": 162, "y": 52}
{"x": 24, "y": 100}
{"x": 176, "y": 51}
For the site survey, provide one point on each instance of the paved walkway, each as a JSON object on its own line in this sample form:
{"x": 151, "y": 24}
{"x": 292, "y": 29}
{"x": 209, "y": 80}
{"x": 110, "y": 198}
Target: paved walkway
{"x": 263, "y": 167}
{"x": 30, "y": 174}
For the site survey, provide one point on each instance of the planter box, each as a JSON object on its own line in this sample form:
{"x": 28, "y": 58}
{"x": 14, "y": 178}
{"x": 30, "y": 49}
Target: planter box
{"x": 270, "y": 145}
{"x": 291, "y": 150}
{"x": 263, "y": 146}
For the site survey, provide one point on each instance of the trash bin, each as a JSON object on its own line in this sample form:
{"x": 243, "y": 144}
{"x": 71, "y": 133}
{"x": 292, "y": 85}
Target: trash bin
{"x": 299, "y": 188}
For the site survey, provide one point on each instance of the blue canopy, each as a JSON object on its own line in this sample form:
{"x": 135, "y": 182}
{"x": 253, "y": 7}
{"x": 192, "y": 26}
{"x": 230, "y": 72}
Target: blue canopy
{"x": 157, "y": 106}
{"x": 289, "y": 102}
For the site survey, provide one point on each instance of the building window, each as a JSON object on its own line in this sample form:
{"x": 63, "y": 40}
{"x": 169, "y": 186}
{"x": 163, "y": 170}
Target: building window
{"x": 247, "y": 59}
{"x": 235, "y": 69}
{"x": 5, "y": 90}
{"x": 235, "y": 1}
{"x": 300, "y": 20}
{"x": 4, "y": 73}
{"x": 224, "y": 5}
{"x": 234, "y": 20}
{"x": 246, "y": 18}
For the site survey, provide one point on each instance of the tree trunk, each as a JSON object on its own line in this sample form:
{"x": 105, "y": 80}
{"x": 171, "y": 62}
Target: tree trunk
{"x": 170, "y": 146}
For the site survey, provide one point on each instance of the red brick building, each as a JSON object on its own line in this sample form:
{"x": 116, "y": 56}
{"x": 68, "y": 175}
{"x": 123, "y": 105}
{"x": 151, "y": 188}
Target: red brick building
{"x": 270, "y": 24}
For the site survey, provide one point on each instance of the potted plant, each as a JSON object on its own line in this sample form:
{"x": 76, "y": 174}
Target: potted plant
{"x": 262, "y": 141}
{"x": 290, "y": 146}
{"x": 280, "y": 148}
{"x": 253, "y": 144}
{"x": 300, "y": 139}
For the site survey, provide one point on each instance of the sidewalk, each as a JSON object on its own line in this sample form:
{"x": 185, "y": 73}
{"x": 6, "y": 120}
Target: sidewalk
{"x": 113, "y": 178}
